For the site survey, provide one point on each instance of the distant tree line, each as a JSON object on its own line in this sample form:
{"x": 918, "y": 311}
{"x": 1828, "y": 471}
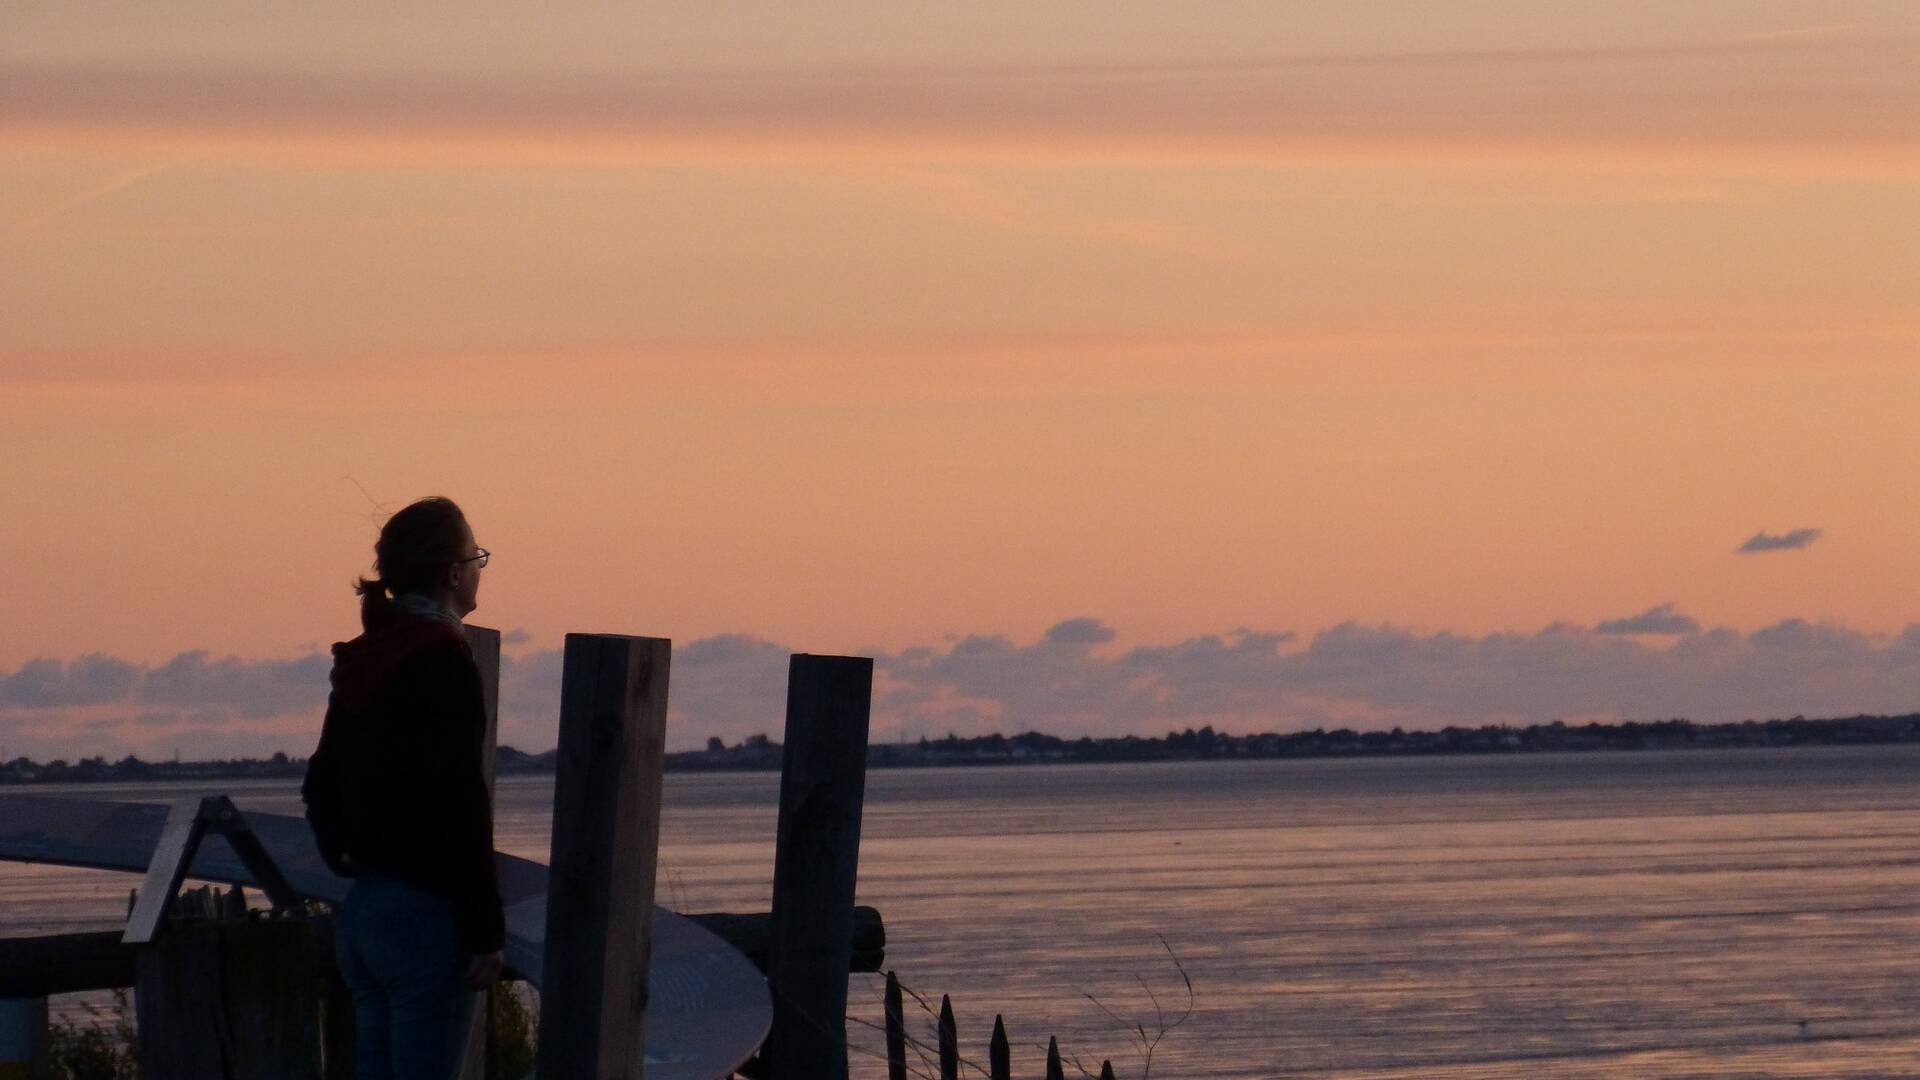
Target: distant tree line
{"x": 1033, "y": 747}
{"x": 132, "y": 768}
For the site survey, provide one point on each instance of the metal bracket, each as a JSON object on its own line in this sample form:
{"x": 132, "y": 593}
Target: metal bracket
{"x": 188, "y": 822}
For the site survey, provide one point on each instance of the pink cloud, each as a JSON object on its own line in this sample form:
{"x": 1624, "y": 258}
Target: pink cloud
{"x": 1069, "y": 683}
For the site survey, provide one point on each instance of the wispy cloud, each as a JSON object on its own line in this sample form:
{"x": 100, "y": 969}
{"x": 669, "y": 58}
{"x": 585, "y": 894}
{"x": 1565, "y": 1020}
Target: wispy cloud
{"x": 1847, "y": 90}
{"x": 967, "y": 198}
{"x": 1822, "y": 30}
{"x": 92, "y": 194}
{"x": 1071, "y": 680}
{"x": 1659, "y": 619}
{"x": 1788, "y": 541}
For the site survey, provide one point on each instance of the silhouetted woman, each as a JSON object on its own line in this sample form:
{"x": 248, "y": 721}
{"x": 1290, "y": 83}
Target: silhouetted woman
{"x": 398, "y": 801}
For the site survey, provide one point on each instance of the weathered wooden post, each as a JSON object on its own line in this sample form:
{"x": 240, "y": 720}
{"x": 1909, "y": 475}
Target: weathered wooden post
{"x": 270, "y": 979}
{"x": 816, "y": 862}
{"x": 229, "y": 999}
{"x": 485, "y": 643}
{"x": 606, "y": 838}
{"x": 176, "y": 996}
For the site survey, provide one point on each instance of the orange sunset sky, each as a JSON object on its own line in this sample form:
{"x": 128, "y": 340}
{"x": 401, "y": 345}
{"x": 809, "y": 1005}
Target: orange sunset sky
{"x": 1096, "y": 366}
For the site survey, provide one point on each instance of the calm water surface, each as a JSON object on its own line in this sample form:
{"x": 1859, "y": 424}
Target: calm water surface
{"x": 1691, "y": 914}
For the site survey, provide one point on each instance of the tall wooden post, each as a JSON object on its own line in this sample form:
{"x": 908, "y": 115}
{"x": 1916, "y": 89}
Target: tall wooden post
{"x": 606, "y": 838}
{"x": 816, "y": 861}
{"x": 485, "y": 643}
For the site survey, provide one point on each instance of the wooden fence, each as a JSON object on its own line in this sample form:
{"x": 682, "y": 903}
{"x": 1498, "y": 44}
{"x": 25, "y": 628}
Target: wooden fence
{"x": 942, "y": 1060}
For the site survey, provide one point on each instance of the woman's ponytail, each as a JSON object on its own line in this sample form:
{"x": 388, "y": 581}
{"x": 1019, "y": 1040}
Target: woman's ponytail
{"x": 376, "y": 607}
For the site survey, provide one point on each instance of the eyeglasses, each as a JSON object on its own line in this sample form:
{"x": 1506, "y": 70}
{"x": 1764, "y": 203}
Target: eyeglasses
{"x": 480, "y": 559}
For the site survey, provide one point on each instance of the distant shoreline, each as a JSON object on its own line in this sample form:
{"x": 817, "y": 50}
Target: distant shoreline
{"x": 761, "y": 754}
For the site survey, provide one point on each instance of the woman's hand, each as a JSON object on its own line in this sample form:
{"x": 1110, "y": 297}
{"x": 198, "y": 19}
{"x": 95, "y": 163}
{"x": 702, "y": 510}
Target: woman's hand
{"x": 482, "y": 971}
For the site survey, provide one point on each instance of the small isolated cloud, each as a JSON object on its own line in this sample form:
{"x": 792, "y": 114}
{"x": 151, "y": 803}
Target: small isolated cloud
{"x": 1791, "y": 541}
{"x": 1080, "y": 632}
{"x": 519, "y": 635}
{"x": 1660, "y": 619}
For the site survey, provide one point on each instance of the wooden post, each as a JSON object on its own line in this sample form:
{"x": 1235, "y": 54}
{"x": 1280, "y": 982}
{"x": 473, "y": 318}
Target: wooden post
{"x": 896, "y": 1031}
{"x": 270, "y": 986}
{"x": 485, "y": 644}
{"x": 606, "y": 838}
{"x": 999, "y": 1055}
{"x": 949, "y": 1041}
{"x": 1054, "y": 1069}
{"x": 229, "y": 999}
{"x": 816, "y": 861}
{"x": 176, "y": 996}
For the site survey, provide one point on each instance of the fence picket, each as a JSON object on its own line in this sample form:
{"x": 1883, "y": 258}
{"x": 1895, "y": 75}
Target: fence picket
{"x": 949, "y": 1041}
{"x": 896, "y": 1031}
{"x": 999, "y": 1055}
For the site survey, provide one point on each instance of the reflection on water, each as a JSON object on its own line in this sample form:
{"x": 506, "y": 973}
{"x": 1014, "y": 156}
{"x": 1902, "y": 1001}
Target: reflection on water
{"x": 1687, "y": 914}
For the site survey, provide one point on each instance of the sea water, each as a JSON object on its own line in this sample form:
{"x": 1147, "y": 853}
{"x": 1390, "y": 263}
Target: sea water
{"x": 1740, "y": 913}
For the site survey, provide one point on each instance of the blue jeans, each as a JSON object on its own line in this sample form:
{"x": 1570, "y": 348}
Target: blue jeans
{"x": 399, "y": 955}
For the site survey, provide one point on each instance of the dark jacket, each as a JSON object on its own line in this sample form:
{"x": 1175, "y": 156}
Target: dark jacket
{"x": 396, "y": 786}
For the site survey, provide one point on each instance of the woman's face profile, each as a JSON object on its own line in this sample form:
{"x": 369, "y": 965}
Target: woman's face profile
{"x": 466, "y": 579}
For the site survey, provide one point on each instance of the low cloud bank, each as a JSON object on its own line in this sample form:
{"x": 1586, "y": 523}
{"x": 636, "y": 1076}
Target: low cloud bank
{"x": 1071, "y": 681}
